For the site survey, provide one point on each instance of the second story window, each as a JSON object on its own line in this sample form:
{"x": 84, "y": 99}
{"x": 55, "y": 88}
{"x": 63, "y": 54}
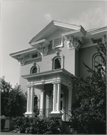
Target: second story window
{"x": 34, "y": 69}
{"x": 57, "y": 63}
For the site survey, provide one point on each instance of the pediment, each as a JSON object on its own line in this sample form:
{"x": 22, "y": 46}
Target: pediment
{"x": 54, "y": 27}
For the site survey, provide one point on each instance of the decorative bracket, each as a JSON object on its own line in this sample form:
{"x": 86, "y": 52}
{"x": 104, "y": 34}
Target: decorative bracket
{"x": 41, "y": 46}
{"x": 43, "y": 49}
{"x": 21, "y": 59}
{"x": 102, "y": 39}
{"x": 73, "y": 42}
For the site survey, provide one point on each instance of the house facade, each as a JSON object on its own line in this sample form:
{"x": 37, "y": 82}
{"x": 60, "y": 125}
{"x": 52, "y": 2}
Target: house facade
{"x": 55, "y": 55}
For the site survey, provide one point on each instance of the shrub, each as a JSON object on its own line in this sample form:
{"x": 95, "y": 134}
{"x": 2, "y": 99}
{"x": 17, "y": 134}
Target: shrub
{"x": 37, "y": 125}
{"x": 2, "y": 119}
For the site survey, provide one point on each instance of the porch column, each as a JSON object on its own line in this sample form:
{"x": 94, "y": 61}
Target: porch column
{"x": 56, "y": 101}
{"x": 41, "y": 103}
{"x": 58, "y": 97}
{"x": 38, "y": 102}
{"x": 30, "y": 102}
{"x": 69, "y": 100}
{"x": 28, "y": 99}
{"x": 54, "y": 97}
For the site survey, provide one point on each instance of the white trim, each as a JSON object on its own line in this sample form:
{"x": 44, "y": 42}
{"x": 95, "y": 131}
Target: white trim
{"x": 60, "y": 45}
{"x": 23, "y": 52}
{"x": 97, "y": 30}
{"x": 67, "y": 25}
{"x": 54, "y": 23}
{"x": 37, "y": 43}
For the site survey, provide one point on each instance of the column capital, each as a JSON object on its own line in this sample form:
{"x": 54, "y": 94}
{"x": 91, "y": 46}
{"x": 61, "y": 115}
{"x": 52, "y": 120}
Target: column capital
{"x": 56, "y": 82}
{"x": 30, "y": 85}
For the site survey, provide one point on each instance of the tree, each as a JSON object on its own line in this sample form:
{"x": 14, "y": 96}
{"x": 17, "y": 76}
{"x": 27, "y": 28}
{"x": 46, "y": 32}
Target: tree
{"x": 89, "y": 111}
{"x": 13, "y": 100}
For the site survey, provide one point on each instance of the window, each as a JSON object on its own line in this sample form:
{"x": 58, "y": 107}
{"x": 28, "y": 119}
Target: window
{"x": 96, "y": 61}
{"x": 35, "y": 100}
{"x": 34, "y": 55}
{"x": 57, "y": 63}
{"x": 33, "y": 70}
{"x": 61, "y": 101}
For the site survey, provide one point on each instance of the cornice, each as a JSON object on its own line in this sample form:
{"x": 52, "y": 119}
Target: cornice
{"x": 47, "y": 73}
{"x": 23, "y": 52}
{"x": 57, "y": 24}
{"x": 97, "y": 30}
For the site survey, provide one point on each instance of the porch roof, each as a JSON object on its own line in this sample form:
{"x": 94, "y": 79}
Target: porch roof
{"x": 53, "y": 76}
{"x": 63, "y": 71}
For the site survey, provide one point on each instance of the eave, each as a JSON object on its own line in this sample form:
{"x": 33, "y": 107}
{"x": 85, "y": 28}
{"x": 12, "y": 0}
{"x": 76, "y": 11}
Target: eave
{"x": 22, "y": 52}
{"x": 54, "y": 25}
{"x": 98, "y": 30}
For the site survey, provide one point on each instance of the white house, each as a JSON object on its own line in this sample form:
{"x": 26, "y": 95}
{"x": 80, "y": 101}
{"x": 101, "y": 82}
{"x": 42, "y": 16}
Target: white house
{"x": 55, "y": 55}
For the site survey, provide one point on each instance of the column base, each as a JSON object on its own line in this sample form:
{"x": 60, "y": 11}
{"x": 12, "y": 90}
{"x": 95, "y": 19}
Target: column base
{"x": 29, "y": 114}
{"x": 56, "y": 114}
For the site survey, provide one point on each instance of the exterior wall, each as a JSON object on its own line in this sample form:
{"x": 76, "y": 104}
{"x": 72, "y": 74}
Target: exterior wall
{"x": 86, "y": 57}
{"x": 45, "y": 63}
{"x": 76, "y": 61}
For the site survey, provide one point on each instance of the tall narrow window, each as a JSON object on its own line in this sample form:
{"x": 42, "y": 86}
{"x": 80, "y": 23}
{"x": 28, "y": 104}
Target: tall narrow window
{"x": 61, "y": 101}
{"x": 57, "y": 63}
{"x": 34, "y": 70}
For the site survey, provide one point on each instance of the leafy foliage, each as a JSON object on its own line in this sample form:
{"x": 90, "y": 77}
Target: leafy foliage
{"x": 37, "y": 125}
{"x": 89, "y": 111}
{"x": 13, "y": 101}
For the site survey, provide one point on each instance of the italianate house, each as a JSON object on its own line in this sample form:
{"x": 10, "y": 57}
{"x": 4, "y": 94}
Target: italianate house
{"x": 55, "y": 55}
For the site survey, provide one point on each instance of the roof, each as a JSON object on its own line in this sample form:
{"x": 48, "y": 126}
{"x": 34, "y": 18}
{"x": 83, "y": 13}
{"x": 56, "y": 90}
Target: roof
{"x": 54, "y": 25}
{"x": 48, "y": 73}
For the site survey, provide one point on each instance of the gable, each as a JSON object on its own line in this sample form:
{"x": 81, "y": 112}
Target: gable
{"x": 54, "y": 26}
{"x": 57, "y": 34}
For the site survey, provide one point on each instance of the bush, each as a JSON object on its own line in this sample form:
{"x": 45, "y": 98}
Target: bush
{"x": 2, "y": 124}
{"x": 2, "y": 119}
{"x": 37, "y": 125}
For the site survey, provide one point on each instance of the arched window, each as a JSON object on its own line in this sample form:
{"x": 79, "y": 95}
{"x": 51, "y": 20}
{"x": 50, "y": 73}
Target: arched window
{"x": 33, "y": 70}
{"x": 96, "y": 61}
{"x": 57, "y": 63}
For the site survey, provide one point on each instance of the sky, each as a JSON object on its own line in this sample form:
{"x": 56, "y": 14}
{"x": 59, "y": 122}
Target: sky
{"x": 21, "y": 20}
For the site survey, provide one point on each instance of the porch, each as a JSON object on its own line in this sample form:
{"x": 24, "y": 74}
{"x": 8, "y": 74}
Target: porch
{"x": 54, "y": 92}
